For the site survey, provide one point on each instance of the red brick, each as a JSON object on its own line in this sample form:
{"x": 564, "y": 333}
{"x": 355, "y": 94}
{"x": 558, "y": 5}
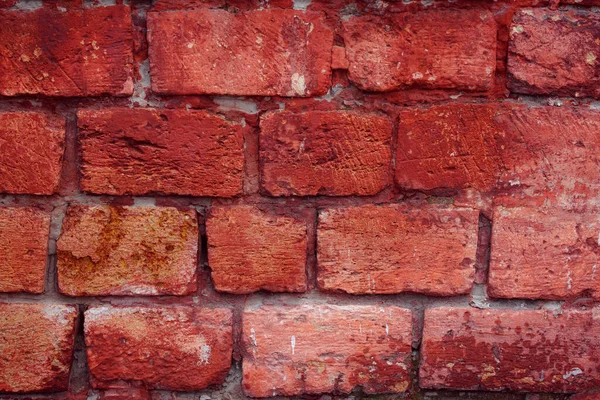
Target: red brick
{"x": 441, "y": 49}
{"x": 127, "y": 251}
{"x": 36, "y": 342}
{"x": 24, "y": 249}
{"x": 449, "y": 146}
{"x": 265, "y": 52}
{"x": 250, "y": 250}
{"x": 320, "y": 348}
{"x": 146, "y": 151}
{"x": 31, "y": 150}
{"x": 554, "y": 52}
{"x": 544, "y": 254}
{"x": 545, "y": 152}
{"x": 178, "y": 348}
{"x": 393, "y": 249}
{"x": 520, "y": 350}
{"x": 324, "y": 153}
{"x": 73, "y": 53}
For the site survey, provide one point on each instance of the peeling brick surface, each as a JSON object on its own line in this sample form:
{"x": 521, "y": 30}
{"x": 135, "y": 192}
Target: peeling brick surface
{"x": 544, "y": 254}
{"x": 324, "y": 153}
{"x": 24, "y": 249}
{"x": 250, "y": 250}
{"x": 145, "y": 151}
{"x": 127, "y": 251}
{"x": 267, "y": 52}
{"x": 520, "y": 350}
{"x": 73, "y": 53}
{"x": 36, "y": 343}
{"x": 555, "y": 52}
{"x": 32, "y": 147}
{"x": 181, "y": 348}
{"x": 316, "y": 349}
{"x": 446, "y": 49}
{"x": 393, "y": 249}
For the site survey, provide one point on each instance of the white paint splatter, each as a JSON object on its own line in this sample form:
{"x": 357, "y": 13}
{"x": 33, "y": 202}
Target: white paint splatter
{"x": 573, "y": 372}
{"x": 293, "y": 344}
{"x": 298, "y": 84}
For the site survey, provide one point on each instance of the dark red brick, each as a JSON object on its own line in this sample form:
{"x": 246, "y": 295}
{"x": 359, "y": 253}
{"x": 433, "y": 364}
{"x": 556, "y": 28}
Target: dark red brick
{"x": 271, "y": 52}
{"x": 177, "y": 348}
{"x": 320, "y": 348}
{"x": 441, "y": 49}
{"x": 333, "y": 153}
{"x": 31, "y": 150}
{"x": 144, "y": 151}
{"x": 250, "y": 250}
{"x": 393, "y": 249}
{"x": 73, "y": 53}
{"x": 518, "y": 350}
{"x": 554, "y": 52}
{"x": 24, "y": 249}
{"x": 36, "y": 343}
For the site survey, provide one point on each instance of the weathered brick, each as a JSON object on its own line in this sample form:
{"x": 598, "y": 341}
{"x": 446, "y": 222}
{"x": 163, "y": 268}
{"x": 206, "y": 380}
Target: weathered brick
{"x": 73, "y": 53}
{"x": 127, "y": 251}
{"x": 31, "y": 150}
{"x": 442, "y": 49}
{"x": 271, "y": 52}
{"x": 334, "y": 153}
{"x": 145, "y": 151}
{"x": 544, "y": 254}
{"x": 449, "y": 146}
{"x": 320, "y": 348}
{"x": 554, "y": 52}
{"x": 250, "y": 250}
{"x": 23, "y": 249}
{"x": 393, "y": 249}
{"x": 178, "y": 348}
{"x": 547, "y": 153}
{"x": 36, "y": 343}
{"x": 520, "y": 350}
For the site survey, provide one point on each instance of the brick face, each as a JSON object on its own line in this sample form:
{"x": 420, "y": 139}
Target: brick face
{"x": 519, "y": 350}
{"x": 315, "y": 349}
{"x": 24, "y": 249}
{"x": 37, "y": 344}
{"x": 264, "y": 53}
{"x": 442, "y": 49}
{"x": 393, "y": 249}
{"x": 146, "y": 151}
{"x": 179, "y": 348}
{"x": 74, "y": 53}
{"x": 127, "y": 251}
{"x": 32, "y": 147}
{"x": 324, "y": 153}
{"x": 250, "y": 250}
{"x": 554, "y": 52}
{"x": 544, "y": 254}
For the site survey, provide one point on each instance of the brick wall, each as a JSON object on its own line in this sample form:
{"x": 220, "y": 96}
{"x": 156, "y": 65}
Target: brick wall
{"x": 209, "y": 199}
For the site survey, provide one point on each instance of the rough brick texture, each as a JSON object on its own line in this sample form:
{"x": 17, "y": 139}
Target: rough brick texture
{"x": 324, "y": 153}
{"x": 520, "y": 350}
{"x": 72, "y": 53}
{"x": 127, "y": 251}
{"x": 250, "y": 250}
{"x": 24, "y": 249}
{"x": 179, "y": 348}
{"x": 544, "y": 254}
{"x": 145, "y": 151}
{"x": 393, "y": 249}
{"x": 555, "y": 52}
{"x": 32, "y": 146}
{"x": 315, "y": 349}
{"x": 36, "y": 343}
{"x": 546, "y": 151}
{"x": 446, "y": 49}
{"x": 264, "y": 52}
